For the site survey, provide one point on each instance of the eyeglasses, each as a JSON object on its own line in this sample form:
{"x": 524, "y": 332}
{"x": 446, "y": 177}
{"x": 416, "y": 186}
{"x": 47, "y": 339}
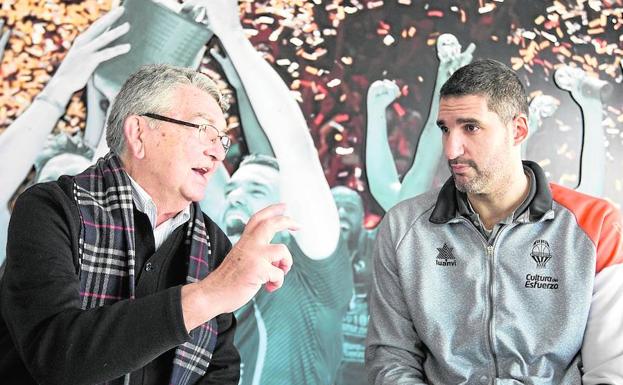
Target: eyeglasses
{"x": 205, "y": 132}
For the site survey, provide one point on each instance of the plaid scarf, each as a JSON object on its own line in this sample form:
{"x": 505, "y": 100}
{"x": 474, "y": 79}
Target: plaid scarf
{"x": 107, "y": 257}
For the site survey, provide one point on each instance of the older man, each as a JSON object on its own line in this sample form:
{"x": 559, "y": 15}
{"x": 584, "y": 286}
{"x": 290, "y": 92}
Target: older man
{"x": 115, "y": 275}
{"x": 499, "y": 277}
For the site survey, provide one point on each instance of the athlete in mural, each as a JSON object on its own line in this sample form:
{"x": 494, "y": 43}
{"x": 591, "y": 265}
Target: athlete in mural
{"x": 587, "y": 92}
{"x": 383, "y": 178}
{"x": 25, "y": 138}
{"x": 359, "y": 242}
{"x": 293, "y": 337}
{"x": 357, "y": 239}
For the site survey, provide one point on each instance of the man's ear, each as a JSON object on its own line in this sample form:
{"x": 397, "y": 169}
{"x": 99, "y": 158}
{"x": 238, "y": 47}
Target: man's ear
{"x": 133, "y": 129}
{"x": 520, "y": 129}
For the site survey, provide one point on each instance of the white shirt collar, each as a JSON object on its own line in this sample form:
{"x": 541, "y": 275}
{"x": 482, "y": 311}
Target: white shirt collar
{"x": 145, "y": 204}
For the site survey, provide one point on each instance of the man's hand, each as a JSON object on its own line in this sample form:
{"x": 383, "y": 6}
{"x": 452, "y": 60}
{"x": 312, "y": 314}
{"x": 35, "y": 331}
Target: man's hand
{"x": 251, "y": 263}
{"x": 450, "y": 56}
{"x": 254, "y": 261}
{"x": 581, "y": 86}
{"x": 381, "y": 93}
{"x": 220, "y": 16}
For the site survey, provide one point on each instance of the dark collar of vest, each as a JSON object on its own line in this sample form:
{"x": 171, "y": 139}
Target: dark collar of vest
{"x": 446, "y": 207}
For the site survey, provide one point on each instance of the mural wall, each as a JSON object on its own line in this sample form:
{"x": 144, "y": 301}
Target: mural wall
{"x": 358, "y": 80}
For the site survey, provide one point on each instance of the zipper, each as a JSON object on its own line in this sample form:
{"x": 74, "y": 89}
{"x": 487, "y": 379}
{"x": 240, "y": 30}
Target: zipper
{"x": 490, "y": 322}
{"x": 489, "y": 248}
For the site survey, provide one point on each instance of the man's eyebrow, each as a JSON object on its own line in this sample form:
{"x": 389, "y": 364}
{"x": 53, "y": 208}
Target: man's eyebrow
{"x": 441, "y": 123}
{"x": 204, "y": 116}
{"x": 468, "y": 120}
{"x": 257, "y": 184}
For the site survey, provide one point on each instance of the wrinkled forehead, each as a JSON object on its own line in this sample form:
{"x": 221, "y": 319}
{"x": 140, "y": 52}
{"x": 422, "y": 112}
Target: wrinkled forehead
{"x": 467, "y": 102}
{"x": 192, "y": 103}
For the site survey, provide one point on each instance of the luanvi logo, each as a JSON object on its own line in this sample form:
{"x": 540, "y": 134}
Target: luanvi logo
{"x": 541, "y": 253}
{"x": 445, "y": 256}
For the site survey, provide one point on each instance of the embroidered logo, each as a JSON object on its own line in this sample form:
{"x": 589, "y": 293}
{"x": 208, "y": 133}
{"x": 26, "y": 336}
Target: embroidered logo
{"x": 541, "y": 253}
{"x": 445, "y": 256}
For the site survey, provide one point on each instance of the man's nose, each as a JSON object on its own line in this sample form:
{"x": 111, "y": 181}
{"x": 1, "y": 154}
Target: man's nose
{"x": 453, "y": 145}
{"x": 215, "y": 150}
{"x": 236, "y": 198}
{"x": 341, "y": 211}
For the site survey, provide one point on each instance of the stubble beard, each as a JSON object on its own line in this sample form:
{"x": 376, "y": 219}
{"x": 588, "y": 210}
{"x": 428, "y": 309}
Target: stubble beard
{"x": 480, "y": 183}
{"x": 494, "y": 179}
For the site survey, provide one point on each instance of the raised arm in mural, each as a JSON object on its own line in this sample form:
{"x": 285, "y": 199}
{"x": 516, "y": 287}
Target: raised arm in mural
{"x": 254, "y": 136}
{"x": 26, "y": 136}
{"x": 4, "y": 37}
{"x": 25, "y": 142}
{"x": 256, "y": 140}
{"x": 383, "y": 179}
{"x": 587, "y": 92}
{"x": 381, "y": 170}
{"x": 280, "y": 334}
{"x": 284, "y": 124}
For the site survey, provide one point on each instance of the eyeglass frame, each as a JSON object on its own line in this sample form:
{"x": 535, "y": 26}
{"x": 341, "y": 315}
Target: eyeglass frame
{"x": 223, "y": 138}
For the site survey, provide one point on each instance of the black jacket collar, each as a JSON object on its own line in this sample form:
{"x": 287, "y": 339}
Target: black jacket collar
{"x": 446, "y": 205}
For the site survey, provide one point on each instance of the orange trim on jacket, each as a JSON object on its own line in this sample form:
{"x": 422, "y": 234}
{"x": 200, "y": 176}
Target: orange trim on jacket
{"x": 599, "y": 219}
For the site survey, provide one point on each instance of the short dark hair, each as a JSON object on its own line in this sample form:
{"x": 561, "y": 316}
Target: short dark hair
{"x": 260, "y": 159}
{"x": 500, "y": 85}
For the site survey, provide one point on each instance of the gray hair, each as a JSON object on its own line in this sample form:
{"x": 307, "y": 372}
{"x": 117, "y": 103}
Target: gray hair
{"x": 499, "y": 84}
{"x": 150, "y": 89}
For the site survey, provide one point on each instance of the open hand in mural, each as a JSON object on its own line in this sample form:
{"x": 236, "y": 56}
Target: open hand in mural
{"x": 25, "y": 137}
{"x": 450, "y": 56}
{"x": 220, "y": 16}
{"x": 24, "y": 140}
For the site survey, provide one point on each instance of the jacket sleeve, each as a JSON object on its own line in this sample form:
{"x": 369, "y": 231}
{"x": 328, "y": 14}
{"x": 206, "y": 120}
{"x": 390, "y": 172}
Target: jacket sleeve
{"x": 602, "y": 347}
{"x": 40, "y": 302}
{"x": 224, "y": 366}
{"x": 394, "y": 352}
